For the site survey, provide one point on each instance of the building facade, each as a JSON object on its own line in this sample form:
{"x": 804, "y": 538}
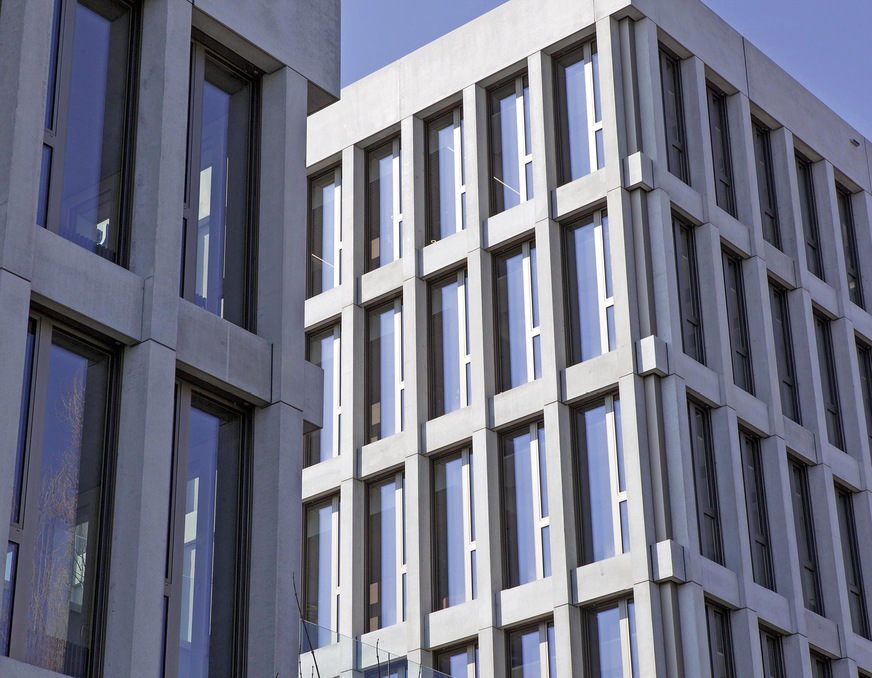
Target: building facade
{"x": 588, "y": 282}
{"x": 154, "y": 386}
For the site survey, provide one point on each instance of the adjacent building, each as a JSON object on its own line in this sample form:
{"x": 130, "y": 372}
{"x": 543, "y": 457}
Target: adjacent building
{"x": 588, "y": 282}
{"x": 154, "y": 389}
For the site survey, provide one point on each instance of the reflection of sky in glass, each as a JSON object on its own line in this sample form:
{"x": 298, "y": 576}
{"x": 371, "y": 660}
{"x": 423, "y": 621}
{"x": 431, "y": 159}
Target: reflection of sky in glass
{"x": 383, "y": 339}
{"x": 588, "y": 296}
{"x": 508, "y": 173}
{"x": 520, "y": 508}
{"x": 599, "y": 485}
{"x": 383, "y": 522}
{"x": 324, "y": 222}
{"x": 445, "y": 304}
{"x": 322, "y": 354}
{"x": 609, "y": 642}
{"x": 514, "y": 327}
{"x": 525, "y": 655}
{"x": 449, "y": 525}
{"x": 576, "y": 120}
{"x": 319, "y": 548}
{"x": 447, "y": 213}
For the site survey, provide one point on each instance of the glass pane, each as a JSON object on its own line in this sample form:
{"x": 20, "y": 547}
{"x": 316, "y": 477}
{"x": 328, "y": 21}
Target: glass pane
{"x": 318, "y": 574}
{"x": 44, "y": 185}
{"x": 505, "y": 154}
{"x": 380, "y": 205}
{"x": 524, "y": 654}
{"x": 619, "y": 445}
{"x": 450, "y": 544}
{"x": 512, "y": 320}
{"x": 208, "y": 599}
{"x": 445, "y": 346}
{"x": 583, "y": 290}
{"x": 528, "y": 146}
{"x": 22, "y": 428}
{"x": 223, "y": 181}
{"x": 634, "y": 650}
{"x": 383, "y": 555}
{"x": 575, "y": 113}
{"x": 454, "y": 663}
{"x": 597, "y": 108}
{"x": 382, "y": 373}
{"x": 8, "y": 594}
{"x": 51, "y": 90}
{"x": 320, "y": 444}
{"x": 68, "y": 524}
{"x": 546, "y": 551}
{"x": 324, "y": 234}
{"x": 605, "y": 642}
{"x": 597, "y": 501}
{"x": 552, "y": 653}
{"x": 441, "y": 180}
{"x": 543, "y": 471}
{"x": 95, "y": 128}
{"x": 520, "y": 519}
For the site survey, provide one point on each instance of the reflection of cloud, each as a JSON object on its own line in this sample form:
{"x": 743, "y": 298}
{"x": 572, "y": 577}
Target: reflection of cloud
{"x": 56, "y": 525}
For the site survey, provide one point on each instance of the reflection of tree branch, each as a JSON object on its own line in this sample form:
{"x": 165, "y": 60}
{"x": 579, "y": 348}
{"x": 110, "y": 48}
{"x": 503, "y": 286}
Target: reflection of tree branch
{"x": 55, "y": 534}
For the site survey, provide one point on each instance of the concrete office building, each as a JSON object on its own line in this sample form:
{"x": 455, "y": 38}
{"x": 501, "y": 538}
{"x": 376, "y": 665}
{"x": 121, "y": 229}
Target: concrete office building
{"x": 154, "y": 389}
{"x": 588, "y": 282}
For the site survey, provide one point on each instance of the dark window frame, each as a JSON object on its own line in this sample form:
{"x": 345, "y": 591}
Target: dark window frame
{"x": 849, "y": 242}
{"x": 806, "y": 545}
{"x": 463, "y": 332}
{"x": 737, "y": 320}
{"x": 821, "y": 666}
{"x": 829, "y": 380}
{"x": 371, "y": 223}
{"x": 677, "y": 142}
{"x": 720, "y": 616}
{"x": 809, "y": 216}
{"x": 400, "y": 555}
{"x": 378, "y": 309}
{"x": 852, "y": 561}
{"x": 705, "y": 476}
{"x": 684, "y": 236}
{"x": 313, "y": 290}
{"x": 722, "y": 161}
{"x": 785, "y": 363}
{"x": 495, "y": 200}
{"x": 766, "y": 192}
{"x": 432, "y": 234}
{"x": 864, "y": 363}
{"x": 773, "y": 663}
{"x": 753, "y": 477}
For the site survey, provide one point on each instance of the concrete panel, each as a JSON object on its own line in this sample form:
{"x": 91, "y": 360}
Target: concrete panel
{"x": 603, "y": 579}
{"x": 381, "y": 283}
{"x": 448, "y": 430}
{"x": 582, "y": 194}
{"x": 313, "y": 396}
{"x": 513, "y": 224}
{"x": 521, "y": 402}
{"x": 525, "y": 602}
{"x": 446, "y": 626}
{"x": 441, "y": 255}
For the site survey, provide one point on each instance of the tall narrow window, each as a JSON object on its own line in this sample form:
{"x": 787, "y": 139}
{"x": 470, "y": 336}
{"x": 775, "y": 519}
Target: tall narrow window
{"x": 820, "y": 666}
{"x": 784, "y": 352}
{"x": 446, "y": 177}
{"x": 209, "y": 527}
{"x": 737, "y": 319}
{"x": 829, "y": 384}
{"x": 808, "y": 210}
{"x": 705, "y": 479}
{"x": 532, "y": 652}
{"x": 610, "y": 636}
{"x": 805, "y": 541}
{"x": 386, "y": 553}
{"x": 719, "y": 130}
{"x": 325, "y": 232}
{"x": 510, "y": 143}
{"x": 773, "y": 661}
{"x": 87, "y": 156}
{"x": 720, "y": 642}
{"x": 218, "y": 258}
{"x": 579, "y": 112}
{"x": 851, "y": 561}
{"x": 673, "y": 115}
{"x": 56, "y": 564}
{"x": 688, "y": 290}
{"x": 384, "y": 205}
{"x": 384, "y": 367}
{"x": 324, "y": 351}
{"x": 849, "y": 242}
{"x": 450, "y": 366}
{"x": 766, "y": 186}
{"x": 454, "y": 529}
{"x": 520, "y": 353}
{"x": 602, "y": 483}
{"x": 321, "y": 575}
{"x": 459, "y": 662}
{"x": 527, "y": 544}
{"x": 755, "y": 506}
{"x": 589, "y": 287}
{"x": 864, "y": 359}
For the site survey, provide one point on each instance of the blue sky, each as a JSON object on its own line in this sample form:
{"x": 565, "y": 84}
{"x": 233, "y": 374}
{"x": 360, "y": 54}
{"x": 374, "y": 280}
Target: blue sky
{"x": 825, "y": 45}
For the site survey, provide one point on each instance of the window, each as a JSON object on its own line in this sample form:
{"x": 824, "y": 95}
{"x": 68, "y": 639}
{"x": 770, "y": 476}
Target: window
{"x": 808, "y": 209}
{"x": 829, "y": 385}
{"x": 784, "y": 352}
{"x": 579, "y": 112}
{"x": 459, "y": 662}
{"x": 325, "y": 232}
{"x": 385, "y": 387}
{"x": 719, "y": 130}
{"x": 805, "y": 542}
{"x": 773, "y": 660}
{"x": 602, "y": 482}
{"x": 450, "y": 366}
{"x": 87, "y": 156}
{"x": 591, "y": 300}
{"x": 864, "y": 359}
{"x": 219, "y": 240}
{"x": 610, "y": 632}
{"x": 50, "y": 615}
{"x": 820, "y": 666}
{"x": 849, "y": 241}
{"x": 324, "y": 352}
{"x": 384, "y": 205}
{"x": 737, "y": 318}
{"x": 766, "y": 186}
{"x": 851, "y": 561}
{"x": 454, "y": 529}
{"x": 206, "y": 563}
{"x": 527, "y": 545}
{"x": 386, "y": 552}
{"x": 510, "y": 145}
{"x": 321, "y": 575}
{"x": 519, "y": 350}
{"x": 688, "y": 290}
{"x": 446, "y": 176}
{"x": 673, "y": 115}
{"x": 705, "y": 480}
{"x": 755, "y": 506}
{"x": 720, "y": 642}
{"x": 532, "y": 652}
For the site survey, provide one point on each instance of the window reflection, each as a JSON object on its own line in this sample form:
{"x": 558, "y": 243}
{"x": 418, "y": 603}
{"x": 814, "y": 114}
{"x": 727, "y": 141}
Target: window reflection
{"x": 384, "y": 205}
{"x": 518, "y": 316}
{"x": 384, "y": 370}
{"x": 511, "y": 148}
{"x": 386, "y": 558}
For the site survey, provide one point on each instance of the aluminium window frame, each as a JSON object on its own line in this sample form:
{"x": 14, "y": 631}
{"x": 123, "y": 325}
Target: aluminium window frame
{"x": 541, "y": 628}
{"x": 589, "y": 621}
{"x": 336, "y": 410}
{"x": 459, "y": 173}
{"x": 471, "y": 650}
{"x": 461, "y": 277}
{"x": 337, "y": 235}
{"x": 829, "y": 379}
{"x": 803, "y": 523}
{"x": 705, "y": 477}
{"x": 683, "y": 230}
{"x": 864, "y": 363}
{"x": 717, "y": 616}
{"x": 778, "y": 303}
{"x": 185, "y": 394}
{"x": 398, "y": 477}
{"x": 531, "y": 331}
{"x": 821, "y": 666}
{"x": 373, "y": 263}
{"x": 853, "y": 269}
{"x": 525, "y": 192}
{"x": 758, "y": 534}
{"x": 851, "y": 560}
{"x": 399, "y": 385}
{"x": 335, "y": 582}
{"x": 202, "y": 48}
{"x": 740, "y": 342}
{"x": 667, "y": 58}
{"x": 722, "y": 161}
{"x": 469, "y": 534}
{"x": 809, "y": 216}
{"x": 773, "y": 662}
{"x": 767, "y": 193}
